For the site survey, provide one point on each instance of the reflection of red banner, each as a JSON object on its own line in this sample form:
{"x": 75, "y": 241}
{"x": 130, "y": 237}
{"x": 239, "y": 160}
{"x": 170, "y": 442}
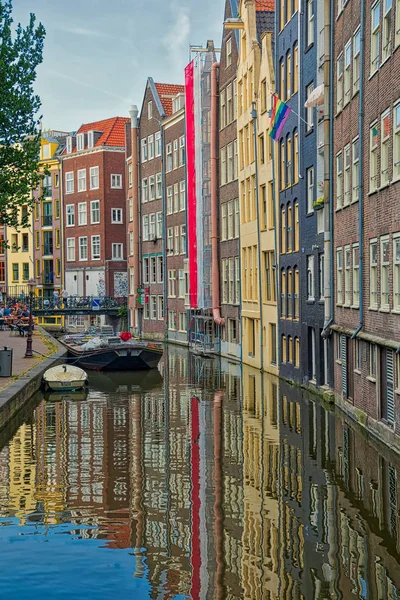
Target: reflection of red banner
{"x": 195, "y": 499}
{"x": 191, "y": 183}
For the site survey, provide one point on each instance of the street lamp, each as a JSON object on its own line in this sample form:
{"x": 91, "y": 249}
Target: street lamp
{"x": 28, "y": 353}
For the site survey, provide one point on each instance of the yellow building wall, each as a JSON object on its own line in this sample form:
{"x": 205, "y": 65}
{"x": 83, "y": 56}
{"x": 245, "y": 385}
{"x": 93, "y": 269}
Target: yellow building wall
{"x": 19, "y": 255}
{"x": 259, "y": 306}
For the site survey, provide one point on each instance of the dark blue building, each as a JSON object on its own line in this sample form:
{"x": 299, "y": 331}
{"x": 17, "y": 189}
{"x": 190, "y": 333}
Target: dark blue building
{"x": 300, "y": 161}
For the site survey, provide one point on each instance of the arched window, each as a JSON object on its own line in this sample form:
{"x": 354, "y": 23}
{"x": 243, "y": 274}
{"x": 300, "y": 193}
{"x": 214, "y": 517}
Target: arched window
{"x": 295, "y": 69}
{"x": 283, "y": 230}
{"x": 290, "y": 348}
{"x": 296, "y": 303}
{"x": 288, "y": 75}
{"x": 289, "y": 163}
{"x": 296, "y": 156}
{"x": 283, "y": 350}
{"x": 296, "y": 227}
{"x": 296, "y": 352}
{"x": 289, "y": 311}
{"x": 283, "y": 294}
{"x": 282, "y": 79}
{"x": 289, "y": 244}
{"x": 283, "y": 165}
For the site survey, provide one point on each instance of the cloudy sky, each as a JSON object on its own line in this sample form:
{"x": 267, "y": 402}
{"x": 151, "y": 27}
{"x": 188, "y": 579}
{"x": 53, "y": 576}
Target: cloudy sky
{"x": 99, "y": 53}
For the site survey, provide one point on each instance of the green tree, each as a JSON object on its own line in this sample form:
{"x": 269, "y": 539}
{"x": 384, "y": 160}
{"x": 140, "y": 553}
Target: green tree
{"x": 21, "y": 51}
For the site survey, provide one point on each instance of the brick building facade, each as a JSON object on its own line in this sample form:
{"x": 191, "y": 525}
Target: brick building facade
{"x": 154, "y": 161}
{"x": 175, "y": 224}
{"x": 229, "y": 249}
{"x": 367, "y": 218}
{"x": 94, "y": 216}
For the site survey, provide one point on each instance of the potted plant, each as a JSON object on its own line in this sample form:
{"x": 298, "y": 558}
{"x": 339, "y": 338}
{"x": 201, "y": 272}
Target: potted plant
{"x": 319, "y": 203}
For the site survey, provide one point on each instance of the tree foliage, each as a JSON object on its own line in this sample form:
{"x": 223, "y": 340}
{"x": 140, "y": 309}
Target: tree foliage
{"x": 21, "y": 51}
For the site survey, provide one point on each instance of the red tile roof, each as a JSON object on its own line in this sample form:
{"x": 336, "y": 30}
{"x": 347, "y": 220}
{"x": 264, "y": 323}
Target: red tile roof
{"x": 113, "y": 131}
{"x": 268, "y": 5}
{"x": 166, "y": 91}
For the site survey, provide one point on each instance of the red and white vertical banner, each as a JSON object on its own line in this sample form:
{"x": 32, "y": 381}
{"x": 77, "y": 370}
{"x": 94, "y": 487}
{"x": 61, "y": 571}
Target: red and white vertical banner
{"x": 194, "y": 182}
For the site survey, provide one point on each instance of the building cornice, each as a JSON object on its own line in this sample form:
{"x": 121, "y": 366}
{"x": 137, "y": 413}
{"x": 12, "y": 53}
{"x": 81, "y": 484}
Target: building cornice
{"x": 93, "y": 151}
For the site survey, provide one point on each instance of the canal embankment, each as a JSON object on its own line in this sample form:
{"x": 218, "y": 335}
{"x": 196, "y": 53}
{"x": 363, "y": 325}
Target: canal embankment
{"x": 27, "y": 373}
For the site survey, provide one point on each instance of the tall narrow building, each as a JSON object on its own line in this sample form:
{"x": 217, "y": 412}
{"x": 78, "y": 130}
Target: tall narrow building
{"x": 229, "y": 217}
{"x": 257, "y": 17}
{"x": 299, "y": 158}
{"x": 155, "y": 159}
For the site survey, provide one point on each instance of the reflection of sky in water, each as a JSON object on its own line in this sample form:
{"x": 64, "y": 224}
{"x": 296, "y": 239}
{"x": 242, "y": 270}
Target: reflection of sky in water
{"x": 220, "y": 487}
{"x": 55, "y": 562}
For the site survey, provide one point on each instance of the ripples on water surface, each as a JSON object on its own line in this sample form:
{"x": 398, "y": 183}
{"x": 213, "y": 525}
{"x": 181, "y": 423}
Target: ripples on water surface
{"x": 196, "y": 484}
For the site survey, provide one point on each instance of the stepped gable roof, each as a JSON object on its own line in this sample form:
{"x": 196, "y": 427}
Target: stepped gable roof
{"x": 113, "y": 131}
{"x": 166, "y": 91}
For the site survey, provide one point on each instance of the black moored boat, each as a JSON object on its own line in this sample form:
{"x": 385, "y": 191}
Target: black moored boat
{"x": 111, "y": 353}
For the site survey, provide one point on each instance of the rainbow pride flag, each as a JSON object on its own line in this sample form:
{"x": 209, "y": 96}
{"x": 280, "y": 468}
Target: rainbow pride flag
{"x": 280, "y": 114}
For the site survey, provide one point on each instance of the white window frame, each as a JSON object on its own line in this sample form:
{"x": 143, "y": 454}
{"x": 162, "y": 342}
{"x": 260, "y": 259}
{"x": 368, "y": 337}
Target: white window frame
{"x": 145, "y": 228}
{"x": 228, "y": 53}
{"x": 182, "y": 151}
{"x": 149, "y": 110}
{"x": 387, "y": 25}
{"x": 160, "y": 307}
{"x": 159, "y": 225}
{"x": 310, "y": 22}
{"x": 347, "y": 276}
{"x": 355, "y": 159}
{"x": 69, "y": 144}
{"x": 182, "y": 195}
{"x": 375, "y": 37}
{"x": 347, "y": 193}
{"x": 347, "y": 73}
{"x": 339, "y": 179}
{"x": 310, "y": 178}
{"x": 80, "y": 142}
{"x": 94, "y": 178}
{"x": 373, "y": 157}
{"x": 82, "y": 180}
{"x": 310, "y": 277}
{"x": 95, "y": 241}
{"x": 339, "y": 276}
{"x": 70, "y": 215}
{"x": 385, "y": 148}
{"x": 116, "y": 181}
{"x": 117, "y": 251}
{"x": 396, "y": 138}
{"x": 90, "y": 139}
{"x": 143, "y": 150}
{"x": 82, "y": 213}
{"x": 152, "y": 188}
{"x": 71, "y": 249}
{"x": 150, "y": 147}
{"x": 69, "y": 182}
{"x": 373, "y": 275}
{"x": 94, "y": 208}
{"x": 117, "y": 216}
{"x": 81, "y": 246}
{"x": 340, "y": 82}
{"x": 356, "y": 275}
{"x": 384, "y": 273}
{"x": 157, "y": 138}
{"x": 396, "y": 274}
{"x": 356, "y": 61}
{"x": 310, "y": 110}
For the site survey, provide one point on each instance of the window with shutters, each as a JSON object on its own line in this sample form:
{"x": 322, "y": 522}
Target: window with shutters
{"x": 373, "y": 274}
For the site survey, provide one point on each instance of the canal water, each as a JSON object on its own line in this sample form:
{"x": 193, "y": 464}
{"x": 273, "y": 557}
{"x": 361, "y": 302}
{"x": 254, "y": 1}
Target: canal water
{"x": 199, "y": 481}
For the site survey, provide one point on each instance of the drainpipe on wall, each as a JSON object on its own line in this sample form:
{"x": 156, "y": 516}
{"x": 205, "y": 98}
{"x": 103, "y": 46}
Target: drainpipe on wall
{"x": 254, "y": 117}
{"x": 361, "y": 172}
{"x": 133, "y": 113}
{"x": 328, "y": 183}
{"x": 218, "y": 320}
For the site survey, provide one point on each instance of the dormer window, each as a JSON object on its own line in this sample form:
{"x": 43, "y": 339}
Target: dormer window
{"x": 150, "y": 110}
{"x": 80, "y": 142}
{"x": 69, "y": 144}
{"x": 90, "y": 139}
{"x": 46, "y": 151}
{"x": 178, "y": 103}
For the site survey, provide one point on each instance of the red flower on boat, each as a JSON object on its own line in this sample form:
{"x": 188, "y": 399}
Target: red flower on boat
{"x": 125, "y": 336}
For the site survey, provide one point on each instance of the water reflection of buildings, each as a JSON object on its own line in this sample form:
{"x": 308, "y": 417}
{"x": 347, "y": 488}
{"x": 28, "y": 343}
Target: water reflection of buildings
{"x": 260, "y": 537}
{"x": 225, "y": 488}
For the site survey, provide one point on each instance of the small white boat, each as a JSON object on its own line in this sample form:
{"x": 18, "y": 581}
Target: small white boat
{"x": 64, "y": 378}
